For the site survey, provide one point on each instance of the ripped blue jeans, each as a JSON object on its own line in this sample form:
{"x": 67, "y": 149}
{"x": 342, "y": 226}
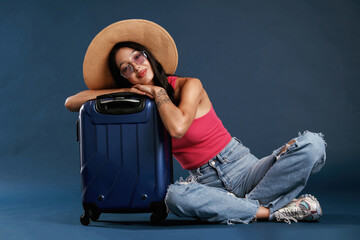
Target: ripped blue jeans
{"x": 232, "y": 186}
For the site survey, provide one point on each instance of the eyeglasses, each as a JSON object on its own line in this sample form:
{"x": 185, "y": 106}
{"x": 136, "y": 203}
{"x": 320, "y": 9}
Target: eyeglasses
{"x": 127, "y": 69}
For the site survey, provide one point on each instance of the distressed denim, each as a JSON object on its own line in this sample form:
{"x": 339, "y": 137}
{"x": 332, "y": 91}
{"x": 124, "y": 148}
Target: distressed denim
{"x": 232, "y": 186}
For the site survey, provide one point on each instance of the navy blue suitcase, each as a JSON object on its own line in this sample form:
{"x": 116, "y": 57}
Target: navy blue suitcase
{"x": 125, "y": 156}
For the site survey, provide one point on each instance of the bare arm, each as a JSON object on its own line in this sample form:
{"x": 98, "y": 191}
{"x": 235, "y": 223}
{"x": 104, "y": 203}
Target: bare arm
{"x": 177, "y": 120}
{"x": 74, "y": 103}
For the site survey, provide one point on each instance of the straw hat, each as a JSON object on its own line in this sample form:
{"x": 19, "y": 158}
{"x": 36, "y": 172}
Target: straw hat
{"x": 149, "y": 34}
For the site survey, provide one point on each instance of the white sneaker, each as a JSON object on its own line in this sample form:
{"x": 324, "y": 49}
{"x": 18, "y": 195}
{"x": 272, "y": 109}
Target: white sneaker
{"x": 305, "y": 208}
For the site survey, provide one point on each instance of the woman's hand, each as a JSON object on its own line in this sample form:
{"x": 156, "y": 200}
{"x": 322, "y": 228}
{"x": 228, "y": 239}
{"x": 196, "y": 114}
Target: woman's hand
{"x": 158, "y": 93}
{"x": 142, "y": 90}
{"x": 148, "y": 90}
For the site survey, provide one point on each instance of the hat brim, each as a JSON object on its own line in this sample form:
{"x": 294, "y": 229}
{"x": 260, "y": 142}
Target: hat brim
{"x": 149, "y": 34}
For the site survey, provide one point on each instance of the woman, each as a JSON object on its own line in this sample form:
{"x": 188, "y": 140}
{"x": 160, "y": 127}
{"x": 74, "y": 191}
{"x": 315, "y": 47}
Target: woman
{"x": 227, "y": 183}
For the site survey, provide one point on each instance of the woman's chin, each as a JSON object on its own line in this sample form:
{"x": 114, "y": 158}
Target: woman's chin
{"x": 147, "y": 81}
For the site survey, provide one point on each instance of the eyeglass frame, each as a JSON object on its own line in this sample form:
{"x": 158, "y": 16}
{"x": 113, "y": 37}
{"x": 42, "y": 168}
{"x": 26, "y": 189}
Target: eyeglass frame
{"x": 131, "y": 67}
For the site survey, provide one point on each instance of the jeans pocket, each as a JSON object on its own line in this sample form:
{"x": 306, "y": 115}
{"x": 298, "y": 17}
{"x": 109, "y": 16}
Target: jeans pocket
{"x": 210, "y": 178}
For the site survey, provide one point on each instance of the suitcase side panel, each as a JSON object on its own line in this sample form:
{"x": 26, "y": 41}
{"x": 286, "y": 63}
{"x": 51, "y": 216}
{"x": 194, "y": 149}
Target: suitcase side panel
{"x": 128, "y": 165}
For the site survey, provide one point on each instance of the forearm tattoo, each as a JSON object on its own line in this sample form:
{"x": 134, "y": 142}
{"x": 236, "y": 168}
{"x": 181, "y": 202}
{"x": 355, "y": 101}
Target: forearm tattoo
{"x": 162, "y": 98}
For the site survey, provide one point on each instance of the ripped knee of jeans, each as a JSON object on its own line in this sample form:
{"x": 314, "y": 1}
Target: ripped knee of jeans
{"x": 285, "y": 148}
{"x": 307, "y": 137}
{"x": 176, "y": 196}
{"x": 190, "y": 179}
{"x": 320, "y": 135}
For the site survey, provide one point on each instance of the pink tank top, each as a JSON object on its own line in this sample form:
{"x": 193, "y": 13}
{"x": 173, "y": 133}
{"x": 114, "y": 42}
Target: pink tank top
{"x": 205, "y": 138}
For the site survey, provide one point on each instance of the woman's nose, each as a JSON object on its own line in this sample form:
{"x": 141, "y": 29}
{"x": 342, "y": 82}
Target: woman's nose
{"x": 136, "y": 66}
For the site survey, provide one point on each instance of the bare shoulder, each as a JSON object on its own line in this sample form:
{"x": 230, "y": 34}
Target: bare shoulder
{"x": 189, "y": 82}
{"x": 192, "y": 91}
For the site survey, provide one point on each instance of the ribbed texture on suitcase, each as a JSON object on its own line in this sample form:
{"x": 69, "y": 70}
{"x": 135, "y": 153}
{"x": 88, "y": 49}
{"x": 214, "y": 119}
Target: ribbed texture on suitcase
{"x": 125, "y": 159}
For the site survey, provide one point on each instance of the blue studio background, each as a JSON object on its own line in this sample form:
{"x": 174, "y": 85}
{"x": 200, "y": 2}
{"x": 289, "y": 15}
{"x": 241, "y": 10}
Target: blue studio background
{"x": 271, "y": 69}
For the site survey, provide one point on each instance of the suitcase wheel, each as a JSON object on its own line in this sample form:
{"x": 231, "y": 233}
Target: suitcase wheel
{"x": 85, "y": 220}
{"x": 157, "y": 218}
{"x": 159, "y": 215}
{"x": 94, "y": 215}
{"x": 89, "y": 214}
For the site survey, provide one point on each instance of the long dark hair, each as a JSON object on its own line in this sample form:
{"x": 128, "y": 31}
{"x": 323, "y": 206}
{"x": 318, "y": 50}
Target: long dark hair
{"x": 160, "y": 77}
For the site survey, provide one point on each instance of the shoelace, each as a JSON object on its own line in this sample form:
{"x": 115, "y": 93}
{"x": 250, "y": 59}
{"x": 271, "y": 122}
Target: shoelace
{"x": 288, "y": 215}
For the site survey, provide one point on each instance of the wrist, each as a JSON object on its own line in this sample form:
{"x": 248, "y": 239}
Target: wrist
{"x": 159, "y": 92}
{"x": 161, "y": 97}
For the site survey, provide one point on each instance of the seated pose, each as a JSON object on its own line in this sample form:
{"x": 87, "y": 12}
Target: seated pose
{"x": 227, "y": 184}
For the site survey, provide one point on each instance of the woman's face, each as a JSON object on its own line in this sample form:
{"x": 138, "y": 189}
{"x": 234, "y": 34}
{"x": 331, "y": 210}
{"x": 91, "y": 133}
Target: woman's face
{"x": 134, "y": 66}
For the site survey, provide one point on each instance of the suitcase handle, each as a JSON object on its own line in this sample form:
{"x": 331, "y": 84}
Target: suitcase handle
{"x": 120, "y": 103}
{"x": 120, "y": 94}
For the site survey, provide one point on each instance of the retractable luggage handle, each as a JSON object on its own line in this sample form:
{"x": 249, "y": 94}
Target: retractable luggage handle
{"x": 120, "y": 103}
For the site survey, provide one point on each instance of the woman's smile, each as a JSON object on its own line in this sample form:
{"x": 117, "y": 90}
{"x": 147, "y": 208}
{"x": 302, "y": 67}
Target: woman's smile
{"x": 142, "y": 73}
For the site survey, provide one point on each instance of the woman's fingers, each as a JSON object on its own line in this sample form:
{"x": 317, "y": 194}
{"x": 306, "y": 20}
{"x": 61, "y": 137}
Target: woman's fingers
{"x": 137, "y": 91}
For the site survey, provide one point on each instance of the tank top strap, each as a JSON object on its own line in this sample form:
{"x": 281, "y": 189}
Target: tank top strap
{"x": 172, "y": 81}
